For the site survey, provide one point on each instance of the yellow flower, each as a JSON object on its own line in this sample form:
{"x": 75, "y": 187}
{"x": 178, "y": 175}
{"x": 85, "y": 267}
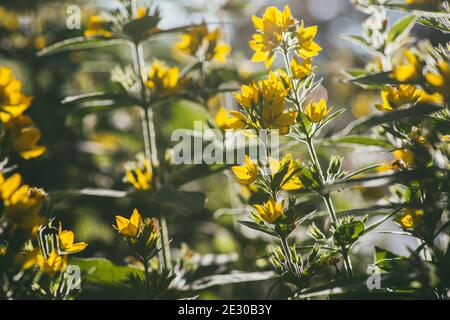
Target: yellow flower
{"x": 408, "y": 71}
{"x": 97, "y": 27}
{"x": 441, "y": 80}
{"x": 141, "y": 12}
{"x": 249, "y": 95}
{"x": 394, "y": 97}
{"x": 291, "y": 180}
{"x": 139, "y": 173}
{"x": 23, "y": 137}
{"x": 306, "y": 47}
{"x": 67, "y": 239}
{"x": 54, "y": 263}
{"x": 22, "y": 204}
{"x": 12, "y": 101}
{"x": 266, "y": 101}
{"x": 162, "y": 79}
{"x": 247, "y": 173}
{"x": 198, "y": 40}
{"x": 299, "y": 69}
{"x": 270, "y": 211}
{"x": 433, "y": 98}
{"x": 271, "y": 28}
{"x": 217, "y": 50}
{"x": 411, "y": 218}
{"x": 9, "y": 19}
{"x": 222, "y": 118}
{"x": 316, "y": 112}
{"x": 405, "y": 155}
{"x": 3, "y": 249}
{"x": 129, "y": 227}
{"x": 273, "y": 109}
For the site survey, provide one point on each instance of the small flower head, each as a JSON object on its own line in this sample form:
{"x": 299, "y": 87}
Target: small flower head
{"x": 198, "y": 41}
{"x": 301, "y": 70}
{"x": 67, "y": 241}
{"x": 317, "y": 111}
{"x": 247, "y": 173}
{"x": 306, "y": 47}
{"x": 22, "y": 204}
{"x": 12, "y": 101}
{"x": 440, "y": 80}
{"x": 53, "y": 264}
{"x": 409, "y": 70}
{"x": 161, "y": 79}
{"x": 249, "y": 95}
{"x": 395, "y": 97}
{"x": 139, "y": 173}
{"x": 410, "y": 219}
{"x": 97, "y": 27}
{"x": 222, "y": 118}
{"x": 23, "y": 137}
{"x": 270, "y": 211}
{"x": 129, "y": 228}
{"x": 270, "y": 33}
{"x": 291, "y": 179}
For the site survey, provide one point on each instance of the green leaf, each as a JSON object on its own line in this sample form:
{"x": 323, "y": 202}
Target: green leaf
{"x": 348, "y": 233}
{"x": 79, "y": 43}
{"x": 90, "y": 192}
{"x": 401, "y": 28}
{"x": 359, "y": 41}
{"x": 183, "y": 201}
{"x": 360, "y": 140}
{"x": 196, "y": 172}
{"x": 369, "y": 122}
{"x": 418, "y": 10}
{"x": 434, "y": 23}
{"x": 102, "y": 271}
{"x": 224, "y": 279}
{"x": 386, "y": 260}
{"x": 374, "y": 79}
{"x": 255, "y": 226}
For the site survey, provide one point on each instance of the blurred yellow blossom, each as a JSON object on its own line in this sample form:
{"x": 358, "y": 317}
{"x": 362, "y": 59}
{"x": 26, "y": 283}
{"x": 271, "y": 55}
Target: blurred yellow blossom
{"x": 139, "y": 173}
{"x": 97, "y": 27}
{"x": 162, "y": 79}
{"x": 394, "y": 97}
{"x": 54, "y": 263}
{"x": 22, "y": 204}
{"x": 440, "y": 80}
{"x": 409, "y": 69}
{"x": 199, "y": 41}
{"x": 12, "y": 101}
{"x": 9, "y": 19}
{"x": 222, "y": 118}
{"x": 23, "y": 137}
{"x": 411, "y": 218}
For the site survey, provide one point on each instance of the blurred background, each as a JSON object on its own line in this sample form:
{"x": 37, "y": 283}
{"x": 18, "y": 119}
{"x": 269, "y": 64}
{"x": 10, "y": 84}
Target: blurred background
{"x": 89, "y": 150}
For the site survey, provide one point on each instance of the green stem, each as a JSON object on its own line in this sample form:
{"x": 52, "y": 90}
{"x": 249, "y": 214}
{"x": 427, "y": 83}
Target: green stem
{"x": 151, "y": 150}
{"x": 347, "y": 263}
{"x": 167, "y": 259}
{"x": 287, "y": 254}
{"x": 147, "y": 280}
